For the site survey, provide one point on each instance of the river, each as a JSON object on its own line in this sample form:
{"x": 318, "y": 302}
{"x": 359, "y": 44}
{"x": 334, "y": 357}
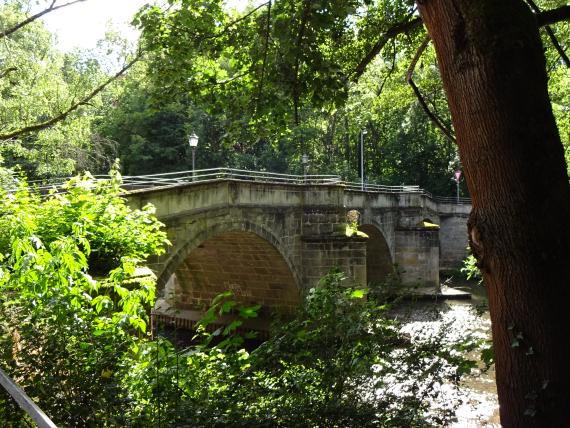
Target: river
{"x": 476, "y": 395}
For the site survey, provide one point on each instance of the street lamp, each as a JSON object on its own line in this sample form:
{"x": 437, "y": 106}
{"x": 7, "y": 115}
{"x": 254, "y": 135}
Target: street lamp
{"x": 457, "y": 178}
{"x": 362, "y": 134}
{"x": 193, "y": 142}
{"x": 305, "y": 162}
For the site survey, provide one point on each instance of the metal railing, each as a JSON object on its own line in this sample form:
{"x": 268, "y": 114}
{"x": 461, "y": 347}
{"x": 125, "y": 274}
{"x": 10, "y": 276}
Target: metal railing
{"x": 149, "y": 181}
{"x": 25, "y": 402}
{"x": 452, "y": 200}
{"x": 214, "y": 174}
{"x": 131, "y": 182}
{"x": 381, "y": 188}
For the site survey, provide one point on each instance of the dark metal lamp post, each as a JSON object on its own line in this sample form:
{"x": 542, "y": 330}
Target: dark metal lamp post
{"x": 362, "y": 134}
{"x": 193, "y": 142}
{"x": 305, "y": 162}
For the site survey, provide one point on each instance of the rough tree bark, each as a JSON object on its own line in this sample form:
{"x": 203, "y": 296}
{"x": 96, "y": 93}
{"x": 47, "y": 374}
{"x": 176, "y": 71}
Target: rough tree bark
{"x": 493, "y": 68}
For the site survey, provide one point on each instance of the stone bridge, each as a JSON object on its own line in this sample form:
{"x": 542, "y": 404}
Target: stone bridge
{"x": 268, "y": 242}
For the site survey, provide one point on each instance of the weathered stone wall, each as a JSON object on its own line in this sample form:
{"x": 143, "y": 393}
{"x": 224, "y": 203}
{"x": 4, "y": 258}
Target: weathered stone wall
{"x": 379, "y": 262}
{"x": 321, "y": 255}
{"x": 240, "y": 262}
{"x": 379, "y": 210}
{"x": 453, "y": 235}
{"x": 281, "y": 229}
{"x": 417, "y": 256}
{"x": 324, "y": 245}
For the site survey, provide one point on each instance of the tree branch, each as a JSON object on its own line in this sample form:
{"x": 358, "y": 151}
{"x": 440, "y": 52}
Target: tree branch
{"x": 557, "y": 46}
{"x": 304, "y": 20}
{"x": 399, "y": 28}
{"x": 236, "y": 21}
{"x": 228, "y": 80}
{"x": 266, "y": 48}
{"x": 381, "y": 88}
{"x": 551, "y": 35}
{"x": 553, "y": 16}
{"x": 63, "y": 115}
{"x": 7, "y": 71}
{"x": 38, "y": 15}
{"x": 434, "y": 117}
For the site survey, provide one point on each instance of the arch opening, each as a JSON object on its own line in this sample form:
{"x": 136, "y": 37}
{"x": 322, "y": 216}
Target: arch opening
{"x": 237, "y": 261}
{"x": 378, "y": 259}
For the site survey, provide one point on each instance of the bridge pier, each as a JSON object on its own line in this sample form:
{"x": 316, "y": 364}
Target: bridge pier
{"x": 417, "y": 256}
{"x": 321, "y": 254}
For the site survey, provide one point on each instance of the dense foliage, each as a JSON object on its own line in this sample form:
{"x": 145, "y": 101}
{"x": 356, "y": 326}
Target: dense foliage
{"x": 306, "y": 77}
{"x": 74, "y": 299}
{"x": 340, "y": 362}
{"x": 74, "y": 295}
{"x": 260, "y": 87}
{"x": 38, "y": 83}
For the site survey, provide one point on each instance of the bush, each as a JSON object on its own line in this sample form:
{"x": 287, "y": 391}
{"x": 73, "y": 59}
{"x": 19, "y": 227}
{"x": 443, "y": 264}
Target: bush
{"x": 74, "y": 299}
{"x": 63, "y": 332}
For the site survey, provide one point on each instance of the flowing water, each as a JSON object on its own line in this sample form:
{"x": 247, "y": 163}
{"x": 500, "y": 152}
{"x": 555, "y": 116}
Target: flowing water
{"x": 475, "y": 398}
{"x": 476, "y": 395}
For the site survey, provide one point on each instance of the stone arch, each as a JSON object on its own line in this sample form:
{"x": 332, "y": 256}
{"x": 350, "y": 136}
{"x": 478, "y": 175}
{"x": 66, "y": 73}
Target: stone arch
{"x": 238, "y": 256}
{"x": 378, "y": 258}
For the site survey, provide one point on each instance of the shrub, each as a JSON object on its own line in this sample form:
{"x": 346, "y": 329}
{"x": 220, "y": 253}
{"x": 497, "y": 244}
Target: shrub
{"x": 63, "y": 331}
{"x": 339, "y": 362}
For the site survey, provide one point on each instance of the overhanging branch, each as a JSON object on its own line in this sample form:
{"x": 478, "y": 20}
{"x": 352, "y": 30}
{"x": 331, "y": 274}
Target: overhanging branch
{"x": 553, "y": 16}
{"x": 392, "y": 68}
{"x": 551, "y": 35}
{"x": 409, "y": 78}
{"x": 236, "y": 21}
{"x": 38, "y": 15}
{"x": 63, "y": 115}
{"x": 399, "y": 28}
{"x": 265, "y": 50}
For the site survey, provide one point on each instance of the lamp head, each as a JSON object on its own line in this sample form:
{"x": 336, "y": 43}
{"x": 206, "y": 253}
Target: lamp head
{"x": 193, "y": 140}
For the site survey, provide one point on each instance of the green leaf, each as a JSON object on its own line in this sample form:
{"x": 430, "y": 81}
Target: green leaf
{"x": 230, "y": 328}
{"x": 249, "y": 312}
{"x": 358, "y": 293}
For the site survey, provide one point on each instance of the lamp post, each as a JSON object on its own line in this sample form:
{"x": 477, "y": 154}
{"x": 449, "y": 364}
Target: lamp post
{"x": 362, "y": 134}
{"x": 193, "y": 142}
{"x": 457, "y": 179}
{"x": 305, "y": 162}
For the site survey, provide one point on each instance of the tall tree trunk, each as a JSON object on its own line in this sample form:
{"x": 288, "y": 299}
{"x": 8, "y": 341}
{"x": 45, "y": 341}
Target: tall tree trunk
{"x": 493, "y": 68}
